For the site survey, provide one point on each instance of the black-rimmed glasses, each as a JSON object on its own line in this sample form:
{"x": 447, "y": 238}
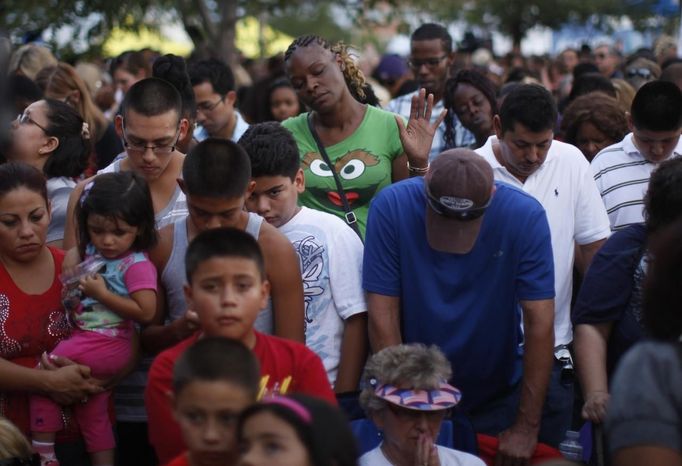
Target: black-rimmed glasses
{"x": 24, "y": 119}
{"x": 207, "y": 106}
{"x": 142, "y": 148}
{"x": 429, "y": 62}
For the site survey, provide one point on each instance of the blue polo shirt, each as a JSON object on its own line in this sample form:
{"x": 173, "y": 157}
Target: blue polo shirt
{"x": 467, "y": 304}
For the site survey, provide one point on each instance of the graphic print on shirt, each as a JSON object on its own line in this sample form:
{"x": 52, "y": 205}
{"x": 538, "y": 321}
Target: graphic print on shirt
{"x": 311, "y": 260}
{"x": 314, "y": 264}
{"x": 277, "y": 388}
{"x": 8, "y": 346}
{"x": 57, "y": 327}
{"x": 358, "y": 170}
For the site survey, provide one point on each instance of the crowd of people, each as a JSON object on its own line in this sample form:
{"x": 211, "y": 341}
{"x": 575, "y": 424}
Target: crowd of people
{"x": 441, "y": 259}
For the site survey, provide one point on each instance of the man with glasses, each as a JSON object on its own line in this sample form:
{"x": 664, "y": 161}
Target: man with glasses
{"x": 431, "y": 56}
{"x": 607, "y": 58}
{"x": 451, "y": 259}
{"x": 524, "y": 154}
{"x": 149, "y": 126}
{"x": 213, "y": 84}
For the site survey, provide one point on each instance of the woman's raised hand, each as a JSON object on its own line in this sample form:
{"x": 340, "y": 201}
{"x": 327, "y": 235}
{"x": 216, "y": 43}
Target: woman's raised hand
{"x": 417, "y": 137}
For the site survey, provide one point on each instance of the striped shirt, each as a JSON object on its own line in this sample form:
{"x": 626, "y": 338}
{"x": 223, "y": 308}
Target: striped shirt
{"x": 463, "y": 137}
{"x": 622, "y": 176}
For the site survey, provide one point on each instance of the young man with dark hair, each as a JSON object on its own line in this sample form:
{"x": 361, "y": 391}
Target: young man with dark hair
{"x": 227, "y": 288}
{"x": 214, "y": 90}
{"x": 523, "y": 153}
{"x": 214, "y": 380}
{"x": 216, "y": 181}
{"x": 150, "y": 127}
{"x": 329, "y": 251}
{"x": 622, "y": 170}
{"x": 431, "y": 56}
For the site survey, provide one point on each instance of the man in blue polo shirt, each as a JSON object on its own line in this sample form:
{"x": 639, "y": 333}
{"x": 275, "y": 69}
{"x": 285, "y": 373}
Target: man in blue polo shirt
{"x": 457, "y": 260}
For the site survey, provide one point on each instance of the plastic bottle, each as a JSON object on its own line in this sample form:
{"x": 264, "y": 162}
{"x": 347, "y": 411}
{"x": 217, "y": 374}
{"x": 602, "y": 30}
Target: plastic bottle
{"x": 570, "y": 447}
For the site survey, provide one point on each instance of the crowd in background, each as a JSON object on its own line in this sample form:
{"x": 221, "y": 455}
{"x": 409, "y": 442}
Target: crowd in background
{"x": 452, "y": 247}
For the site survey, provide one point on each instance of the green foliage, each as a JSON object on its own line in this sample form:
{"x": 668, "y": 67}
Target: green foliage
{"x": 210, "y": 23}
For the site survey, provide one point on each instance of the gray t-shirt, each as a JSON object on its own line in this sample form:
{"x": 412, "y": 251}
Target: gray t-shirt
{"x": 58, "y": 192}
{"x": 646, "y": 398}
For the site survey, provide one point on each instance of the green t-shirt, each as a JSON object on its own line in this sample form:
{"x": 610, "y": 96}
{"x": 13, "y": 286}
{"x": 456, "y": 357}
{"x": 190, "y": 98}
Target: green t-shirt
{"x": 362, "y": 161}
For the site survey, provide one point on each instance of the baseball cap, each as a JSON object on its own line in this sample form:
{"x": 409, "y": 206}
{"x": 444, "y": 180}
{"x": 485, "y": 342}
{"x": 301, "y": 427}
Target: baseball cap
{"x": 390, "y": 67}
{"x": 458, "y": 187}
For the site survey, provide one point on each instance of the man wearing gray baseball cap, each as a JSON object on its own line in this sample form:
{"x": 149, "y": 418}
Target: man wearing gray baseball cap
{"x": 458, "y": 260}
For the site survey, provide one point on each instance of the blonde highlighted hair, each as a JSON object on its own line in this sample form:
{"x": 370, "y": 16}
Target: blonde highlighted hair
{"x": 12, "y": 442}
{"x": 59, "y": 81}
{"x": 355, "y": 79}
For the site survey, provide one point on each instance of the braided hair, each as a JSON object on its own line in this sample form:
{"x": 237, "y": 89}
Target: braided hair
{"x": 355, "y": 79}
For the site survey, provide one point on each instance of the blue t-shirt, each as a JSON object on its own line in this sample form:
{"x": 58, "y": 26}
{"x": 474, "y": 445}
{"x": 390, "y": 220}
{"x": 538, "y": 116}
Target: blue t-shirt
{"x": 612, "y": 291}
{"x": 467, "y": 304}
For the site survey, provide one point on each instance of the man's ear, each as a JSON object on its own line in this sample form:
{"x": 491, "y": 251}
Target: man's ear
{"x": 631, "y": 126}
{"x": 265, "y": 293}
{"x": 183, "y": 186}
{"x": 497, "y": 126}
{"x": 231, "y": 97}
{"x": 299, "y": 181}
{"x": 249, "y": 188}
{"x": 118, "y": 125}
{"x": 184, "y": 127}
{"x": 450, "y": 59}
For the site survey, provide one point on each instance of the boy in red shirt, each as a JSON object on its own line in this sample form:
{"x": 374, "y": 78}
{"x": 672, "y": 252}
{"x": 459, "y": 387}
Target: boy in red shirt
{"x": 213, "y": 382}
{"x": 227, "y": 289}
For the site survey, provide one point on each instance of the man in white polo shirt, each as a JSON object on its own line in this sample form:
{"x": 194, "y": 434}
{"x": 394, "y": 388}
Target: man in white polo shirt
{"x": 622, "y": 170}
{"x": 524, "y": 154}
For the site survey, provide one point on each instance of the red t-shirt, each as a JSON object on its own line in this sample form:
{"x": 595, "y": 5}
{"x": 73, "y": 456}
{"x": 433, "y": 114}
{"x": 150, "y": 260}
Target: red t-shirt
{"x": 283, "y": 364}
{"x": 182, "y": 460}
{"x": 29, "y": 325}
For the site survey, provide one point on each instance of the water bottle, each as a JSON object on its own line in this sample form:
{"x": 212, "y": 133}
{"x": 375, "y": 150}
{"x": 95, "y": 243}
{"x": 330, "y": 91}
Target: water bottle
{"x": 570, "y": 447}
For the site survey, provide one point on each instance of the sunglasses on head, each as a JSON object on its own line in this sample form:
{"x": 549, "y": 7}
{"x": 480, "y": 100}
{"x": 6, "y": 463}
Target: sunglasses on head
{"x": 639, "y": 72}
{"x": 454, "y": 207}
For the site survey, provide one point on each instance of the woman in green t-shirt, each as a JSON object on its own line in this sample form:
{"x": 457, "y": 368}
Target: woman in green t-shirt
{"x": 369, "y": 148}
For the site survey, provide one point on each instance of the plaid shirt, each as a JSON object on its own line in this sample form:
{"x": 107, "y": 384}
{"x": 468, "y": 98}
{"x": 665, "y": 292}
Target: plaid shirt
{"x": 463, "y": 137}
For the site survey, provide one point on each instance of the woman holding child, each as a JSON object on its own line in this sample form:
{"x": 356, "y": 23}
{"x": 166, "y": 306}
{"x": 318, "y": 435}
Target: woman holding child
{"x": 32, "y": 320}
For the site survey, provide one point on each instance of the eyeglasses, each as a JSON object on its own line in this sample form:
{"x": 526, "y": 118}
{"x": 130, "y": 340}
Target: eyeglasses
{"x": 429, "y": 62}
{"x": 455, "y": 208}
{"x": 639, "y": 72}
{"x": 158, "y": 150}
{"x": 24, "y": 119}
{"x": 207, "y": 107}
